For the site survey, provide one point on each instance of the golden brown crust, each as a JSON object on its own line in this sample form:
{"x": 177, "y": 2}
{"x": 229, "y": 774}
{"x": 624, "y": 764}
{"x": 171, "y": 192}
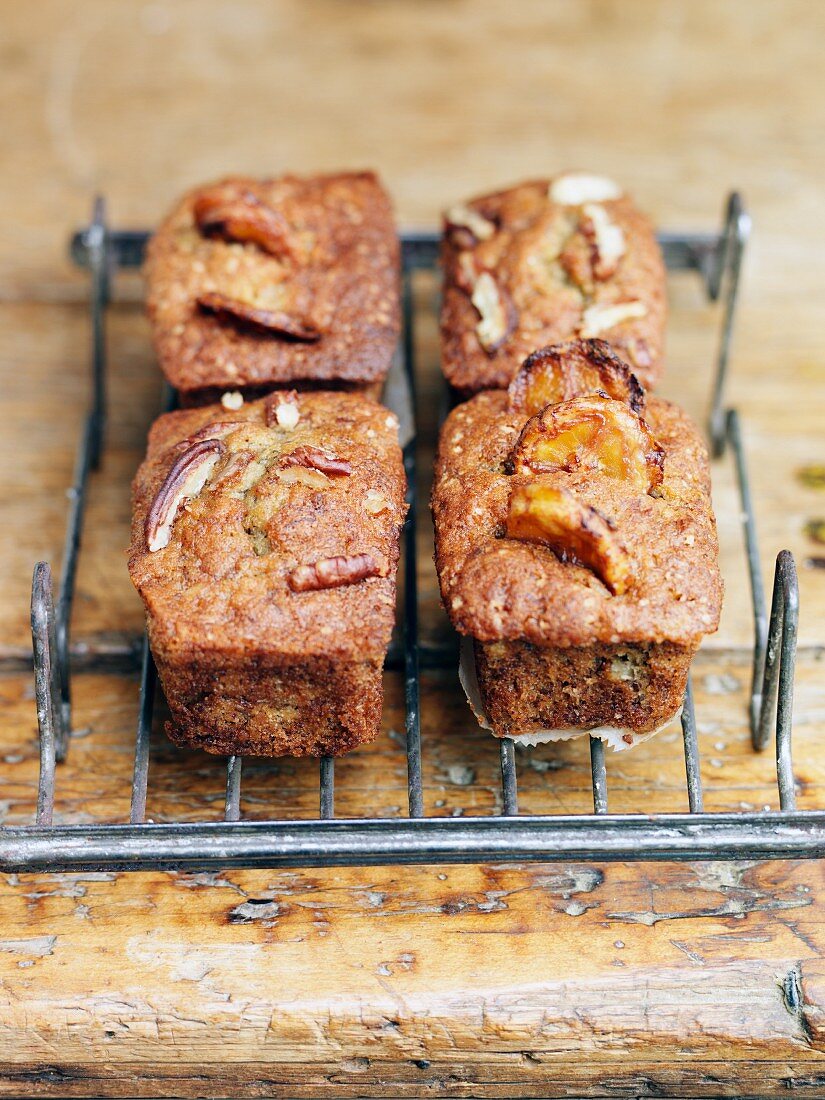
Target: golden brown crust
{"x": 232, "y": 632}
{"x": 231, "y": 310}
{"x": 496, "y": 588}
{"x": 545, "y": 262}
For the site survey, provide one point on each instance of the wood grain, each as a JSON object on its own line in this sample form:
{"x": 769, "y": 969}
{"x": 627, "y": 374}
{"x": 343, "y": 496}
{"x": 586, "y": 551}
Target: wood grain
{"x": 508, "y": 980}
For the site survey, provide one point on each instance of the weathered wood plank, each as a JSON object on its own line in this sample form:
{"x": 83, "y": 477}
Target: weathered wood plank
{"x": 494, "y": 981}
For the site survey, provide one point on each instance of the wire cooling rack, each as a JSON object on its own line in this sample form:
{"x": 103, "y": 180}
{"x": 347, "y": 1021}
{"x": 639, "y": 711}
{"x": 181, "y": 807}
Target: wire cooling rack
{"x": 137, "y": 845}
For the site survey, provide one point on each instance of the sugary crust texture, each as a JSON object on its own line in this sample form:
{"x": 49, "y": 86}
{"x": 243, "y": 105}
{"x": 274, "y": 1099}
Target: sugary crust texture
{"x": 248, "y": 663}
{"x": 542, "y": 260}
{"x": 344, "y": 273}
{"x": 525, "y": 688}
{"x": 503, "y": 589}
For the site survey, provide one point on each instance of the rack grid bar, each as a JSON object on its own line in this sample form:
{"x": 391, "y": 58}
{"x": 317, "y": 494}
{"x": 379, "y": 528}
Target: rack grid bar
{"x": 394, "y": 841}
{"x": 327, "y": 799}
{"x": 599, "y": 775}
{"x": 46, "y": 687}
{"x": 140, "y": 774}
{"x": 509, "y": 782}
{"x": 412, "y": 691}
{"x": 692, "y": 769}
{"x": 232, "y": 804}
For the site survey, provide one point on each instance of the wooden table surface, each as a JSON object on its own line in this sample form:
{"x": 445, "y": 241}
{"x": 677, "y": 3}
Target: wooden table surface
{"x": 509, "y": 980}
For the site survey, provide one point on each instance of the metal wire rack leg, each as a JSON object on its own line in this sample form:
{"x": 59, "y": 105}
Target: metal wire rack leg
{"x": 232, "y": 804}
{"x": 46, "y": 688}
{"x": 691, "y": 743}
{"x": 724, "y": 277}
{"x": 140, "y": 774}
{"x": 509, "y": 781}
{"x": 760, "y": 615}
{"x": 412, "y": 692}
{"x": 88, "y": 457}
{"x": 327, "y": 796}
{"x": 599, "y": 775}
{"x": 777, "y": 685}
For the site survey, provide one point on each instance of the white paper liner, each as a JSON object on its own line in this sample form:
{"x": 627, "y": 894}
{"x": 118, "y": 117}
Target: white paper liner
{"x": 613, "y": 736}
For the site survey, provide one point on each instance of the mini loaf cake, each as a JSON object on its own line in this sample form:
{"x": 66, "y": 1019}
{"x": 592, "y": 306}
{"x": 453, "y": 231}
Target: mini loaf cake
{"x": 254, "y": 284}
{"x": 546, "y": 262}
{"x": 265, "y": 544}
{"x": 576, "y": 548}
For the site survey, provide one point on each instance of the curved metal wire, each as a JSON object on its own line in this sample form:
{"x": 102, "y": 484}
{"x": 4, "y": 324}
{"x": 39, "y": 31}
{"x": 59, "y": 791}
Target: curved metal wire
{"x": 724, "y": 277}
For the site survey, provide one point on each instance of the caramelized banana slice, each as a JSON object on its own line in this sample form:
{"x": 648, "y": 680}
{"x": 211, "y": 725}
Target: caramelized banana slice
{"x": 575, "y": 369}
{"x": 591, "y": 433}
{"x": 545, "y": 513}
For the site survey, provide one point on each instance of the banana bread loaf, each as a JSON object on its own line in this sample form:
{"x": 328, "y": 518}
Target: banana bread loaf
{"x": 542, "y": 263}
{"x": 576, "y": 547}
{"x": 264, "y": 545}
{"x": 253, "y": 284}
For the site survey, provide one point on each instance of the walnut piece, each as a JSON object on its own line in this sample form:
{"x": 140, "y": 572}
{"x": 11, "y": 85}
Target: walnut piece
{"x": 187, "y": 477}
{"x": 608, "y": 240}
{"x": 333, "y": 572}
{"x": 315, "y": 459}
{"x": 606, "y": 315}
{"x": 472, "y": 224}
{"x": 564, "y": 371}
{"x": 575, "y": 189}
{"x": 496, "y": 311}
{"x": 275, "y": 322}
{"x": 591, "y": 433}
{"x": 236, "y": 214}
{"x": 542, "y": 512}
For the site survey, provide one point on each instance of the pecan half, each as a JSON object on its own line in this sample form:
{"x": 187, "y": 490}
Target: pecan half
{"x": 276, "y": 322}
{"x": 591, "y": 433}
{"x": 333, "y": 572}
{"x": 542, "y": 512}
{"x": 236, "y": 214}
{"x": 564, "y": 371}
{"x": 185, "y": 480}
{"x": 497, "y": 312}
{"x": 316, "y": 459}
